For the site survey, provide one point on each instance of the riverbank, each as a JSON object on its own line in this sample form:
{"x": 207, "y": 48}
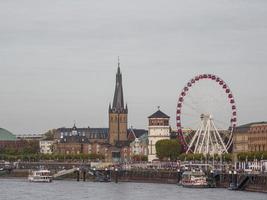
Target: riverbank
{"x": 254, "y": 183}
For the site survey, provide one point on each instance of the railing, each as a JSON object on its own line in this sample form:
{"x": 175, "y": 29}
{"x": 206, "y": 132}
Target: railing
{"x": 242, "y": 183}
{"x": 64, "y": 172}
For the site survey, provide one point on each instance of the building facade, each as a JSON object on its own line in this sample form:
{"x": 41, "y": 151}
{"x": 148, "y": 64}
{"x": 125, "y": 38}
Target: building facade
{"x": 7, "y": 140}
{"x": 93, "y": 134}
{"x": 158, "y": 129}
{"x": 46, "y": 146}
{"x": 139, "y": 144}
{"x": 250, "y": 137}
{"x": 74, "y": 144}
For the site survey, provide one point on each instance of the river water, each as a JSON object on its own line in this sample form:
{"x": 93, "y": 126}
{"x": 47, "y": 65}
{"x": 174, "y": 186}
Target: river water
{"x": 20, "y": 189}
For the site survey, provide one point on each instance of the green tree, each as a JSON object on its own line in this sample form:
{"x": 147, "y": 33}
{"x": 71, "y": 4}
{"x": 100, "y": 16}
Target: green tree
{"x": 227, "y": 157}
{"x": 250, "y": 156}
{"x": 191, "y": 156}
{"x": 30, "y": 147}
{"x": 168, "y": 149}
{"x": 50, "y": 135}
{"x": 139, "y": 158}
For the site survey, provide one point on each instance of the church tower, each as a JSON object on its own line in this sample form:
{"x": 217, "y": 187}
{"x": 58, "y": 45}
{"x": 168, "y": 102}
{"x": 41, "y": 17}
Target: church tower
{"x": 118, "y": 114}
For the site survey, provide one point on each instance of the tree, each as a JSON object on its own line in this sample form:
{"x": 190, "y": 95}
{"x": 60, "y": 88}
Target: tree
{"x": 191, "y": 156}
{"x": 50, "y": 135}
{"x": 227, "y": 157}
{"x": 168, "y": 149}
{"x": 30, "y": 147}
{"x": 251, "y": 156}
{"x": 139, "y": 158}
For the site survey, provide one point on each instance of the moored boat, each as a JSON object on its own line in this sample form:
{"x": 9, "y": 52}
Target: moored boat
{"x": 40, "y": 176}
{"x": 194, "y": 179}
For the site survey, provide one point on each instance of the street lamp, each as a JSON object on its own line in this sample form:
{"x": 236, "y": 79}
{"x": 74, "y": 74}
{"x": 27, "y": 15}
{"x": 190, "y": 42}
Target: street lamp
{"x": 94, "y": 169}
{"x": 116, "y": 175}
{"x": 106, "y": 174}
{"x": 178, "y": 175}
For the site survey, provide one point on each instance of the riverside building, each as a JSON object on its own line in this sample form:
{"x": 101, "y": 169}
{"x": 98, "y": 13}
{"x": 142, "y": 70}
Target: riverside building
{"x": 250, "y": 137}
{"x": 158, "y": 129}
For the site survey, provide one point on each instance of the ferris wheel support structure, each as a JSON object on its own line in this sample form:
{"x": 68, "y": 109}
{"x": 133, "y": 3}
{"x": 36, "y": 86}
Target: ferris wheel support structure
{"x": 208, "y": 134}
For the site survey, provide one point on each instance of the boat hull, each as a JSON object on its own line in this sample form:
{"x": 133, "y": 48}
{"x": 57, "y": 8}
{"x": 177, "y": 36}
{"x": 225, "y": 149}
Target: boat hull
{"x": 195, "y": 186}
{"x": 196, "y": 179}
{"x": 40, "y": 179}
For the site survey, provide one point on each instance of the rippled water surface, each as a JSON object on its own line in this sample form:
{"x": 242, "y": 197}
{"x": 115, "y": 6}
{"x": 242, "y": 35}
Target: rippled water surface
{"x": 64, "y": 190}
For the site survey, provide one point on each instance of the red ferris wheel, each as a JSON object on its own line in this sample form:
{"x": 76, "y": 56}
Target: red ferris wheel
{"x": 206, "y": 115}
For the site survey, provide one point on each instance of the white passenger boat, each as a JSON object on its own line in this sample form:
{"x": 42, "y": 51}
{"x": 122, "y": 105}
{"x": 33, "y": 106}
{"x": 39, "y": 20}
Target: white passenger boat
{"x": 194, "y": 179}
{"x": 40, "y": 176}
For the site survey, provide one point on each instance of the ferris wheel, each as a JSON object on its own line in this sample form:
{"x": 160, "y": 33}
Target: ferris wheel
{"x": 206, "y": 115}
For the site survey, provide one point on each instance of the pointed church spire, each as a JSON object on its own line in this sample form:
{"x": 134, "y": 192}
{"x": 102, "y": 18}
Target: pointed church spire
{"x": 118, "y": 103}
{"x": 118, "y": 62}
{"x": 74, "y": 125}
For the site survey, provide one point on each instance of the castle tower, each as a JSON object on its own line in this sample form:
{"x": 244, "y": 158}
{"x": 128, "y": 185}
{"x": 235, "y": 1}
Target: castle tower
{"x": 158, "y": 129}
{"x": 118, "y": 114}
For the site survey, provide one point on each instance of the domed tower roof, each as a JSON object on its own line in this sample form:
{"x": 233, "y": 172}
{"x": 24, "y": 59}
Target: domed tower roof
{"x": 5, "y": 135}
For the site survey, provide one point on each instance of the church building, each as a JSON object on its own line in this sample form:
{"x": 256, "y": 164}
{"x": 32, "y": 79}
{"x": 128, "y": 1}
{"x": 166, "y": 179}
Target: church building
{"x": 112, "y": 142}
{"x": 118, "y": 114}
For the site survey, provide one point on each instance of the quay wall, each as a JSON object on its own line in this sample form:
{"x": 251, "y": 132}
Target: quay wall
{"x": 149, "y": 176}
{"x": 256, "y": 182}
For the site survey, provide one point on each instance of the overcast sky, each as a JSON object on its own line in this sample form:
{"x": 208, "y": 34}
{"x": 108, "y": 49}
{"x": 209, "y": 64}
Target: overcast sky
{"x": 58, "y": 58}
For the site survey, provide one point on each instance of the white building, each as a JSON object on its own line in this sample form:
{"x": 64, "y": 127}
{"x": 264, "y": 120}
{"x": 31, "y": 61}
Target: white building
{"x": 46, "y": 146}
{"x": 158, "y": 129}
{"x": 139, "y": 145}
{"x": 30, "y": 137}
